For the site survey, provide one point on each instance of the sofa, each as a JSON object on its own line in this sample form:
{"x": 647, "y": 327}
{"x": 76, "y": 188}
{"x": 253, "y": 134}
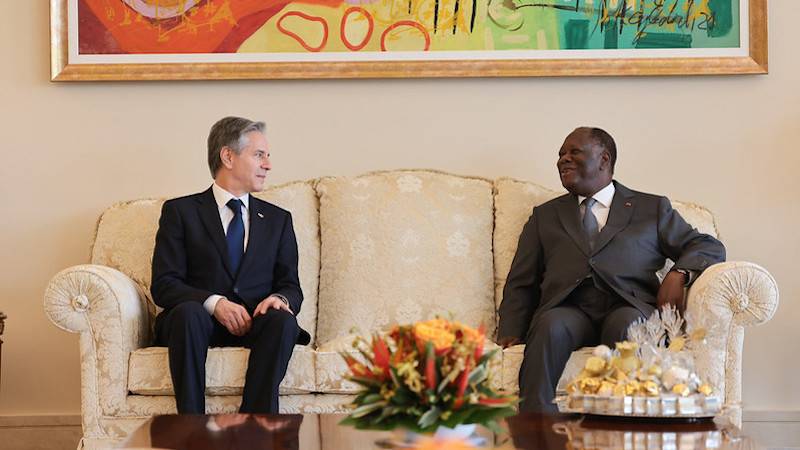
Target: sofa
{"x": 375, "y": 250}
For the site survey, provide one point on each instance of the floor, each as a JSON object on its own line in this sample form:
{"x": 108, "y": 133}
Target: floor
{"x": 64, "y": 432}
{"x": 40, "y": 432}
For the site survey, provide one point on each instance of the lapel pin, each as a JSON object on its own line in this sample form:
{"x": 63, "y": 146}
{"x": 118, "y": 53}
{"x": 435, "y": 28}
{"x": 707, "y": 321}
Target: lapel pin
{"x": 262, "y": 216}
{"x": 626, "y": 204}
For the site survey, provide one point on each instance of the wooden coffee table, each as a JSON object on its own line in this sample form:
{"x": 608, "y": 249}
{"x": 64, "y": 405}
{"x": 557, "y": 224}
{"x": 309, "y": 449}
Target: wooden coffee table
{"x": 525, "y": 431}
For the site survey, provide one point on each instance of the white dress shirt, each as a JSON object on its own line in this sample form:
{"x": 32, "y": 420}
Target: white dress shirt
{"x": 601, "y": 206}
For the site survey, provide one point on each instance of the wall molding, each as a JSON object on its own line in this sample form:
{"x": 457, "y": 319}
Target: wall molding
{"x": 771, "y": 416}
{"x": 40, "y": 421}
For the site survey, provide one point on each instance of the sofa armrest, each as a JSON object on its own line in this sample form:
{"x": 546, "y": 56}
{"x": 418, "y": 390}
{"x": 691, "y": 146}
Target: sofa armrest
{"x": 725, "y": 299}
{"x": 112, "y": 314}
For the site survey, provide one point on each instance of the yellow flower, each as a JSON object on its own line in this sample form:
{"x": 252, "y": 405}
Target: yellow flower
{"x": 436, "y": 331}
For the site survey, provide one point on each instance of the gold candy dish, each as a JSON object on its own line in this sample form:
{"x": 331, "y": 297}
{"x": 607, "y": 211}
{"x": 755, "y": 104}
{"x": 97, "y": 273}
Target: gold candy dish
{"x": 652, "y": 375}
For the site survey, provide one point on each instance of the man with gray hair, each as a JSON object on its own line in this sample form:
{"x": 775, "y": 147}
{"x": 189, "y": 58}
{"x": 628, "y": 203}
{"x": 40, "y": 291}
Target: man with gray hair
{"x": 225, "y": 272}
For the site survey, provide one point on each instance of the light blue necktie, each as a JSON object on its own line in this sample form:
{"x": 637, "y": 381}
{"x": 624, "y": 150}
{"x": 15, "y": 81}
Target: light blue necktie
{"x": 235, "y": 235}
{"x": 590, "y": 221}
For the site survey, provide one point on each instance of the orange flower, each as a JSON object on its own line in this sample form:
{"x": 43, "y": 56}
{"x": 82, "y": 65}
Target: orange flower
{"x": 436, "y": 331}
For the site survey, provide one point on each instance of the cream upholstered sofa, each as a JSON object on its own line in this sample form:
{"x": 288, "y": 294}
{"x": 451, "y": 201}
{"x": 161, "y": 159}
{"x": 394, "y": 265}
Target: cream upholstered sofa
{"x": 375, "y": 250}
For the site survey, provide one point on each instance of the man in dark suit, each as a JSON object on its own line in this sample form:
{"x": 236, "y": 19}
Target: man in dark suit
{"x": 581, "y": 277}
{"x": 225, "y": 272}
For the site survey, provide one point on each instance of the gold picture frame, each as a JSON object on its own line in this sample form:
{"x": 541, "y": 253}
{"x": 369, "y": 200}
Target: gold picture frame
{"x": 65, "y": 67}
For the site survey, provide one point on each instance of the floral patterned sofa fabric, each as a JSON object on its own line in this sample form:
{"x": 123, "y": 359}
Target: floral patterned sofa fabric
{"x": 404, "y": 246}
{"x": 375, "y": 250}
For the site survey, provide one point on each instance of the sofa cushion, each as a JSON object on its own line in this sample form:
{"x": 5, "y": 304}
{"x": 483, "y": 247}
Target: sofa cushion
{"x": 404, "y": 246}
{"x": 301, "y": 200}
{"x": 513, "y": 201}
{"x": 148, "y": 371}
{"x": 126, "y": 234}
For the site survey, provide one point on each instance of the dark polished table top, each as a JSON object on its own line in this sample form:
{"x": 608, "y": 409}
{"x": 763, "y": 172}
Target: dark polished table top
{"x": 524, "y": 431}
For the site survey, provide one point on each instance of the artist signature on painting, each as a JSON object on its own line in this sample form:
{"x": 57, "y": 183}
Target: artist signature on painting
{"x": 659, "y": 17}
{"x": 647, "y": 16}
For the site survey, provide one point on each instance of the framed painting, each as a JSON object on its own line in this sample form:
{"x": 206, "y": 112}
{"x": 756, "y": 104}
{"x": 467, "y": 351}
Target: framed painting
{"x": 95, "y": 40}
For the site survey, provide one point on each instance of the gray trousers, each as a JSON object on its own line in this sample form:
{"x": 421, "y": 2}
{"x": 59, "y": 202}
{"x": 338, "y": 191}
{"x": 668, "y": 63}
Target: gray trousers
{"x": 591, "y": 315}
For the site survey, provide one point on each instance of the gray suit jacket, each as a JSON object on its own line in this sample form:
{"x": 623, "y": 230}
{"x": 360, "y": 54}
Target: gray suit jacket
{"x": 553, "y": 255}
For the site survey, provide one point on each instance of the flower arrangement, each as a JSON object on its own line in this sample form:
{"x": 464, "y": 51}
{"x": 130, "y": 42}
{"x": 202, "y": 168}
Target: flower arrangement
{"x": 424, "y": 376}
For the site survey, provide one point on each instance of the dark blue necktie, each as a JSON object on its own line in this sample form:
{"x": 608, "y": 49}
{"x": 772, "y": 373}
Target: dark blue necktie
{"x": 236, "y": 234}
{"x": 590, "y": 221}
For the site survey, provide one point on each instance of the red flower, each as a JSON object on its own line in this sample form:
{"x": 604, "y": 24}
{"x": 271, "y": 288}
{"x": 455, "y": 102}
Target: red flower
{"x": 430, "y": 365}
{"x": 497, "y": 401}
{"x": 356, "y": 367}
{"x": 382, "y": 356}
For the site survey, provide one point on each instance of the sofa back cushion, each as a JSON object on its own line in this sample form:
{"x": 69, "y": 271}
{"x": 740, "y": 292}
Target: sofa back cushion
{"x": 514, "y": 202}
{"x": 126, "y": 233}
{"x": 403, "y": 246}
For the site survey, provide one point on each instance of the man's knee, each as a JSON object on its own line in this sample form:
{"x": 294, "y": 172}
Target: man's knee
{"x": 561, "y": 324}
{"x": 189, "y": 315}
{"x": 276, "y": 320}
{"x": 616, "y": 324}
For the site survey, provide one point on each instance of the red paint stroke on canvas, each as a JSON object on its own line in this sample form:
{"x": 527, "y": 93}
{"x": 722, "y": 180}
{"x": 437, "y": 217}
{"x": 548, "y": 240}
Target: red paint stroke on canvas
{"x": 370, "y": 28}
{"x": 299, "y": 38}
{"x": 210, "y": 26}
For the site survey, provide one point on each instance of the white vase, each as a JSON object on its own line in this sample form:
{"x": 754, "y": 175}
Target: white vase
{"x": 459, "y": 433}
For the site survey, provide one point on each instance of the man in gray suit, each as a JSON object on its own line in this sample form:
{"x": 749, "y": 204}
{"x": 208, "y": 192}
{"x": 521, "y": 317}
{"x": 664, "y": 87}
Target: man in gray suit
{"x": 580, "y": 277}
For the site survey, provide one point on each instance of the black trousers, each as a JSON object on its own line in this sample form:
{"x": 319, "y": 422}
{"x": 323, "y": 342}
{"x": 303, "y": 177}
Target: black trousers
{"x": 188, "y": 331}
{"x": 591, "y": 315}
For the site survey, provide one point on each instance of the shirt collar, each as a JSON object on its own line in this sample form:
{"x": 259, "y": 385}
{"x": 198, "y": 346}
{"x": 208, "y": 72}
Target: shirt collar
{"x": 222, "y": 197}
{"x": 603, "y": 196}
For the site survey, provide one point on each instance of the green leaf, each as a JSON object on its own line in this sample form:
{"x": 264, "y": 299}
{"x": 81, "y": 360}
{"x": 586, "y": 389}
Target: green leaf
{"x": 403, "y": 396}
{"x": 365, "y": 381}
{"x": 372, "y": 398}
{"x": 487, "y": 356}
{"x": 363, "y": 410}
{"x": 477, "y": 375}
{"x": 395, "y": 379}
{"x": 429, "y": 418}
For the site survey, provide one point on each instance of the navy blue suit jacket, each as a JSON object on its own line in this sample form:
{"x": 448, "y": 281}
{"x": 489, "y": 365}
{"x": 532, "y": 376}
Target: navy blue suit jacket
{"x": 553, "y": 255}
{"x": 191, "y": 262}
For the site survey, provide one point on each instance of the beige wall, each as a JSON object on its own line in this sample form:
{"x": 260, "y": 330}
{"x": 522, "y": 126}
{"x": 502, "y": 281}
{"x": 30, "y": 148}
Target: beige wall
{"x": 70, "y": 150}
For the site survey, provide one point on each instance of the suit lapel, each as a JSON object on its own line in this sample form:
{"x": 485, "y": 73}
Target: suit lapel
{"x": 570, "y": 216}
{"x": 209, "y": 215}
{"x": 619, "y": 215}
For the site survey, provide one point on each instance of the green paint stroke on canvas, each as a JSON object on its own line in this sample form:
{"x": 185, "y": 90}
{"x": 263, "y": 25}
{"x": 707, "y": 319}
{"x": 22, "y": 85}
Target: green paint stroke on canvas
{"x": 479, "y": 25}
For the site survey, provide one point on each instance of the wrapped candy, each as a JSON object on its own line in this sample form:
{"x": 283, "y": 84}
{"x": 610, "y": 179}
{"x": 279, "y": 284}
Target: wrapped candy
{"x": 653, "y": 374}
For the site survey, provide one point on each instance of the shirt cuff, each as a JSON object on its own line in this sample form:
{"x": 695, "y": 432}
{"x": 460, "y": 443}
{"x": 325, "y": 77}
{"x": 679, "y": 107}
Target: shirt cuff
{"x": 211, "y": 303}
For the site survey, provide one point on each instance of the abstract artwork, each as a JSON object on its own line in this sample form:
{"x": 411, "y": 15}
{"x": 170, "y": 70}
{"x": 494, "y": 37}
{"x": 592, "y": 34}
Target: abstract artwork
{"x": 204, "y": 39}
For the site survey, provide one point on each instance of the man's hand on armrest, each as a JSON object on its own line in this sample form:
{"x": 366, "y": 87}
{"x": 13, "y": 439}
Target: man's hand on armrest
{"x": 508, "y": 341}
{"x": 233, "y": 316}
{"x": 672, "y": 290}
